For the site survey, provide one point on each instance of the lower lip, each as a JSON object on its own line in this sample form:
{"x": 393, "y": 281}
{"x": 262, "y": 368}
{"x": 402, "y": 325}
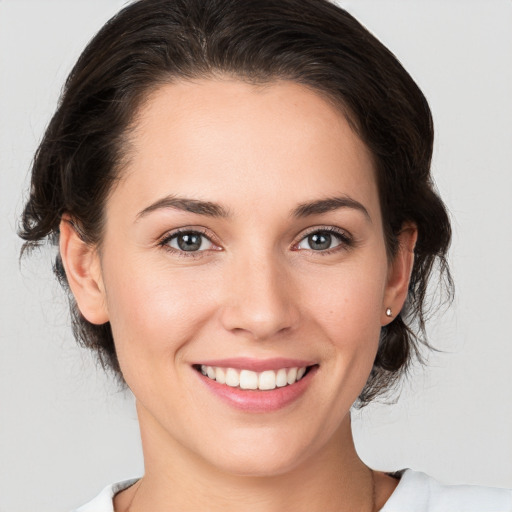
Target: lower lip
{"x": 249, "y": 400}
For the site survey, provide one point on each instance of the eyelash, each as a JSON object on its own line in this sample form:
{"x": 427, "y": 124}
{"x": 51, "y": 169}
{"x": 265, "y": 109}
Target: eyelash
{"x": 345, "y": 239}
{"x": 164, "y": 242}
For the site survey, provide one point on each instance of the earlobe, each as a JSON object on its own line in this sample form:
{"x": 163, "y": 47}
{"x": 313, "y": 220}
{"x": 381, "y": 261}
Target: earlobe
{"x": 83, "y": 272}
{"x": 399, "y": 273}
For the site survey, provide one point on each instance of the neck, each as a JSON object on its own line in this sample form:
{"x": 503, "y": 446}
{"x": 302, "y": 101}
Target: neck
{"x": 334, "y": 478}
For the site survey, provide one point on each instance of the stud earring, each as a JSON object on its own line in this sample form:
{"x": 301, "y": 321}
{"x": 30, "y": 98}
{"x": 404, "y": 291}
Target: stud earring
{"x": 389, "y": 312}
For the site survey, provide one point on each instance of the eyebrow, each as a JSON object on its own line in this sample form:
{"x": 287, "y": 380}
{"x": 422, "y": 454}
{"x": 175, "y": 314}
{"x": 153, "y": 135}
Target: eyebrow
{"x": 211, "y": 209}
{"x": 188, "y": 205}
{"x": 328, "y": 205}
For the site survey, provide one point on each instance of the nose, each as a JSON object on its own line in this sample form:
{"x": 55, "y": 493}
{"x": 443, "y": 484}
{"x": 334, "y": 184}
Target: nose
{"x": 260, "y": 299}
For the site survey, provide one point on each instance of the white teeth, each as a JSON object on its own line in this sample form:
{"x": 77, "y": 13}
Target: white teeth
{"x": 247, "y": 379}
{"x": 232, "y": 377}
{"x": 281, "y": 378}
{"x": 220, "y": 375}
{"x": 267, "y": 380}
{"x": 291, "y": 376}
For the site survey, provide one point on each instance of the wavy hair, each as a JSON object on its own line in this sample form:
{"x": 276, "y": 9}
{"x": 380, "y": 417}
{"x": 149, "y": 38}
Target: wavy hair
{"x": 310, "y": 42}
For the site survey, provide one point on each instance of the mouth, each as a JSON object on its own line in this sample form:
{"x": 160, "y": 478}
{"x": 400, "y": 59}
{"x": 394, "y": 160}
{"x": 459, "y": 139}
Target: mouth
{"x": 264, "y": 387}
{"x": 246, "y": 379}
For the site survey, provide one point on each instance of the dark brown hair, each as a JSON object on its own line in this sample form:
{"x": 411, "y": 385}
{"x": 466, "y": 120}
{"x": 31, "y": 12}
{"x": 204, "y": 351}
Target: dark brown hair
{"x": 311, "y": 42}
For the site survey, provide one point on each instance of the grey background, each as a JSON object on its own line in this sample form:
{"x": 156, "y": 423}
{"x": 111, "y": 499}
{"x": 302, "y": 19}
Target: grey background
{"x": 65, "y": 430}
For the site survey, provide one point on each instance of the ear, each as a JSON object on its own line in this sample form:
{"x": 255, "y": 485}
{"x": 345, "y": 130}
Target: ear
{"x": 83, "y": 271}
{"x": 399, "y": 273}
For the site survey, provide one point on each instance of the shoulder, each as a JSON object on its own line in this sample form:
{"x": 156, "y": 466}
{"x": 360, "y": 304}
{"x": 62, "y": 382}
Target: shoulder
{"x": 421, "y": 493}
{"x": 104, "y": 501}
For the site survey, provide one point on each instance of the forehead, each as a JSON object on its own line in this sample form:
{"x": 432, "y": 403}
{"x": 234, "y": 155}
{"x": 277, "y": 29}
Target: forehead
{"x": 222, "y": 139}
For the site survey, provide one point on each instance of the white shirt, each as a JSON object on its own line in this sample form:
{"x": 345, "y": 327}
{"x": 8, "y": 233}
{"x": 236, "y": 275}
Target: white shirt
{"x": 416, "y": 492}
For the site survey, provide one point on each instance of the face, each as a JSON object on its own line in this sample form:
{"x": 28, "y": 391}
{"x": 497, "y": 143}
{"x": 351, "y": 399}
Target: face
{"x": 245, "y": 241}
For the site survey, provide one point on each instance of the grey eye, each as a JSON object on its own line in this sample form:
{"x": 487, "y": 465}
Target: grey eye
{"x": 190, "y": 241}
{"x": 320, "y": 241}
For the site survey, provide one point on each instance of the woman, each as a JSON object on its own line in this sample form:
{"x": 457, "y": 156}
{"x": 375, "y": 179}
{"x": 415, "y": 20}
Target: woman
{"x": 243, "y": 205}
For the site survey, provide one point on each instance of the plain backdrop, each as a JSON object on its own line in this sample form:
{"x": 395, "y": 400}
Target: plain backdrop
{"x": 66, "y": 431}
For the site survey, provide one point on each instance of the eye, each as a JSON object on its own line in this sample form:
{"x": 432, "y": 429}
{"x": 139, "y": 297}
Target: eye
{"x": 323, "y": 240}
{"x": 188, "y": 241}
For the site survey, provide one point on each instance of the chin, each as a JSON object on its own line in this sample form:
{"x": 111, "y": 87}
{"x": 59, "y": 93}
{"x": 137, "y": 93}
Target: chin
{"x": 264, "y": 451}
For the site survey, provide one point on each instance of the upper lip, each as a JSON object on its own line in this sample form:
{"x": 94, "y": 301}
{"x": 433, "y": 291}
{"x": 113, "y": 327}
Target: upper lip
{"x": 257, "y": 365}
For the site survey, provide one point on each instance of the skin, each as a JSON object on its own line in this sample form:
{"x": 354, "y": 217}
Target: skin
{"x": 257, "y": 290}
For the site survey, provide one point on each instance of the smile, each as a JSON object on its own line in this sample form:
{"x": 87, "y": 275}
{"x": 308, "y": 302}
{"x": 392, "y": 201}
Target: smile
{"x": 247, "y": 379}
{"x": 255, "y": 385}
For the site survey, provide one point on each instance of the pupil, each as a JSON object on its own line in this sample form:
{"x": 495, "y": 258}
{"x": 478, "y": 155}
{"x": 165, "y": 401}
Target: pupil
{"x": 320, "y": 241}
{"x": 189, "y": 242}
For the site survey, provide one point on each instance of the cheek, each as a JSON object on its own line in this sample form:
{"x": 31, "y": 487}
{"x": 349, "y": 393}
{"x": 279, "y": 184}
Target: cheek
{"x": 346, "y": 306}
{"x": 153, "y": 313}
{"x": 347, "y": 303}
